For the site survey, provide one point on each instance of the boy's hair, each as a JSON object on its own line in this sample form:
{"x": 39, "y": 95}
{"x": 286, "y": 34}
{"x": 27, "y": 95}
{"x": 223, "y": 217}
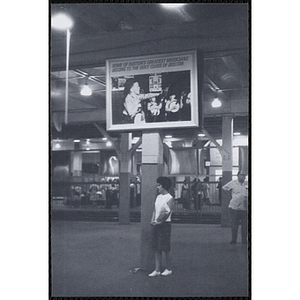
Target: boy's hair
{"x": 165, "y": 182}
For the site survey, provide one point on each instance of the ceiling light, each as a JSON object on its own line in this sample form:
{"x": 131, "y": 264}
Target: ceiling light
{"x": 201, "y": 134}
{"x": 216, "y": 103}
{"x": 61, "y": 22}
{"x": 108, "y": 144}
{"x": 236, "y": 133}
{"x": 168, "y": 136}
{"x": 172, "y": 5}
{"x": 57, "y": 146}
{"x": 86, "y": 91}
{"x": 104, "y": 139}
{"x": 76, "y": 141}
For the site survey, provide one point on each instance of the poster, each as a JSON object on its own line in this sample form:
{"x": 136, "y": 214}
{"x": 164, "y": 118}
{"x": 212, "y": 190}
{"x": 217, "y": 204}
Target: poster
{"x": 154, "y": 91}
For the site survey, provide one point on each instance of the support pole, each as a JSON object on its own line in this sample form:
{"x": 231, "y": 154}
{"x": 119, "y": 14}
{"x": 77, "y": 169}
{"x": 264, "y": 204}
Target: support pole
{"x": 227, "y": 137}
{"x": 125, "y": 168}
{"x": 152, "y": 168}
{"x": 67, "y": 77}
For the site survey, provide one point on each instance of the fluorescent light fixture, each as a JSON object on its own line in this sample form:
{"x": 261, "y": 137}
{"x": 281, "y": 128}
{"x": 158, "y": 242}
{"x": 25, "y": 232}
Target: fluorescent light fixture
{"x": 104, "y": 139}
{"x": 61, "y": 22}
{"x": 216, "y": 103}
{"x": 172, "y": 5}
{"x": 236, "y": 133}
{"x": 57, "y": 146}
{"x": 76, "y": 141}
{"x": 108, "y": 144}
{"x": 201, "y": 134}
{"x": 168, "y": 136}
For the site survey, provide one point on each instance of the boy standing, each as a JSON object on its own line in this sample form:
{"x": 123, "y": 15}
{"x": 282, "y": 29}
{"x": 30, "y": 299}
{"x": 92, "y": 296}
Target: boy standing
{"x": 161, "y": 222}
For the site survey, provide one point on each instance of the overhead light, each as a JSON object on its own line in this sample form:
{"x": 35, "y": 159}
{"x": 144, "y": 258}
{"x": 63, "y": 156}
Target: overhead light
{"x": 171, "y": 5}
{"x": 108, "y": 144}
{"x": 57, "y": 146}
{"x": 61, "y": 22}
{"x": 76, "y": 141}
{"x": 216, "y": 103}
{"x": 104, "y": 139}
{"x": 168, "y": 136}
{"x": 201, "y": 134}
{"x": 236, "y": 133}
{"x": 86, "y": 91}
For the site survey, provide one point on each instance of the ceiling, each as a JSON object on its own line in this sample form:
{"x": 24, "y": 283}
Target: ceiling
{"x": 102, "y": 31}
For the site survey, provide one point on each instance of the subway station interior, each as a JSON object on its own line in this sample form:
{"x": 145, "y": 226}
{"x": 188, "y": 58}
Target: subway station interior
{"x": 103, "y": 169}
{"x": 85, "y": 156}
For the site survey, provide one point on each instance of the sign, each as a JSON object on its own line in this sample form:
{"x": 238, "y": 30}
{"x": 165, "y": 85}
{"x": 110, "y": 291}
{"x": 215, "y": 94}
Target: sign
{"x": 154, "y": 91}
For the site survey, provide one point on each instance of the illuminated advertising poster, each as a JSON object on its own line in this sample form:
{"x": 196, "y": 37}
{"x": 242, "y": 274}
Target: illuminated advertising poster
{"x": 154, "y": 91}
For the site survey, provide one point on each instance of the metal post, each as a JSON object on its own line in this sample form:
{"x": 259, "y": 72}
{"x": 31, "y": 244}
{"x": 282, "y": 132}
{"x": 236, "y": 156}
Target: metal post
{"x": 67, "y": 76}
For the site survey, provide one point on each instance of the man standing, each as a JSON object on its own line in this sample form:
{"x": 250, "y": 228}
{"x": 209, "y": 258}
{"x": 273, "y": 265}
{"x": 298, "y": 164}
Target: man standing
{"x": 238, "y": 206}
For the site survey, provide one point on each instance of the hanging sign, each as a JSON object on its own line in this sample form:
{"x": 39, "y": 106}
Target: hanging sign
{"x": 154, "y": 91}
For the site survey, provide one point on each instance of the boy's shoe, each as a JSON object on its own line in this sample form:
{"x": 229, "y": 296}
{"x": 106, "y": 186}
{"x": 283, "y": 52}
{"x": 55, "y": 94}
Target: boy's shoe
{"x": 166, "y": 272}
{"x": 154, "y": 274}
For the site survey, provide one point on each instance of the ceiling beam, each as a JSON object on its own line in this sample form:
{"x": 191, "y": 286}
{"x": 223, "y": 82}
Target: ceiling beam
{"x": 207, "y": 36}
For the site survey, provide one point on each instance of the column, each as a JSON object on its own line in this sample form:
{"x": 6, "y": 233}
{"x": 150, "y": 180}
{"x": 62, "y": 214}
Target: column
{"x": 76, "y": 168}
{"x": 152, "y": 168}
{"x": 125, "y": 171}
{"x": 227, "y": 137}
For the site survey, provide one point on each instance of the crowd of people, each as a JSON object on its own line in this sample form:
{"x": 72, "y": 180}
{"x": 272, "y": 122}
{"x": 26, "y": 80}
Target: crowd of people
{"x": 196, "y": 196}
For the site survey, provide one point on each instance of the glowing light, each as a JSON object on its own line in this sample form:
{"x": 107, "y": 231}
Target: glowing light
{"x": 216, "y": 103}
{"x": 201, "y": 134}
{"x": 61, "y": 22}
{"x": 236, "y": 133}
{"x": 108, "y": 144}
{"x": 172, "y": 5}
{"x": 57, "y": 146}
{"x": 86, "y": 91}
{"x": 168, "y": 136}
{"x": 76, "y": 141}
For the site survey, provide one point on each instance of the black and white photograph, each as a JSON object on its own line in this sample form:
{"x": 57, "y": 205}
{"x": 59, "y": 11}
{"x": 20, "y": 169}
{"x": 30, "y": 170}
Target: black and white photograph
{"x": 150, "y": 138}
{"x": 147, "y": 91}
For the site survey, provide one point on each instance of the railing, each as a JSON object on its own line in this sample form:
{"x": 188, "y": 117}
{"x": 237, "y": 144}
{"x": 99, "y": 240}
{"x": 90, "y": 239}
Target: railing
{"x": 105, "y": 199}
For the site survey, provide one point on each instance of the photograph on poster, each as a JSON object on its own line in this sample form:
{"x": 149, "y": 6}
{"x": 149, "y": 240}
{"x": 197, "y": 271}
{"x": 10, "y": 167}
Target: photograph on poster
{"x": 152, "y": 92}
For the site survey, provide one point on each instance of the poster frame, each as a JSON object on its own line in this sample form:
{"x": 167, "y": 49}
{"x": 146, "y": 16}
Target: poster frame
{"x": 189, "y": 63}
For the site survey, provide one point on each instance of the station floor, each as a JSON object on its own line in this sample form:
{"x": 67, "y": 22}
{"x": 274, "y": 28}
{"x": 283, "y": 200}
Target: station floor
{"x": 100, "y": 259}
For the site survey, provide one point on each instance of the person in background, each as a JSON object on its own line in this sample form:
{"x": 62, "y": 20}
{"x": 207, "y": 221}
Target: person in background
{"x": 133, "y": 112}
{"x": 206, "y": 194}
{"x": 185, "y": 106}
{"x": 153, "y": 110}
{"x": 161, "y": 225}
{"x": 238, "y": 206}
{"x": 197, "y": 190}
{"x": 185, "y": 195}
{"x": 172, "y": 108}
